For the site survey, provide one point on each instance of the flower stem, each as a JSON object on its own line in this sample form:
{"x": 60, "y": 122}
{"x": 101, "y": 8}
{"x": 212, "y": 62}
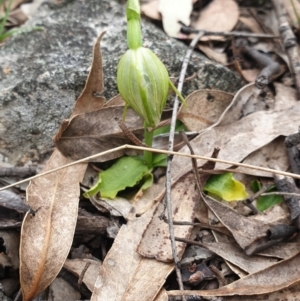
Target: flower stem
{"x": 148, "y": 140}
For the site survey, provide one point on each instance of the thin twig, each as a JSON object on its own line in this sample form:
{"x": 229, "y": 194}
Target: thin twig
{"x": 237, "y": 34}
{"x": 154, "y": 150}
{"x": 171, "y": 145}
{"x": 281, "y": 193}
{"x": 194, "y": 161}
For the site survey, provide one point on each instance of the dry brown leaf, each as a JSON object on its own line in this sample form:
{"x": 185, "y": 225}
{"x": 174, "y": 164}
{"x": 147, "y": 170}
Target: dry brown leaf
{"x": 237, "y": 140}
{"x": 218, "y": 15}
{"x": 162, "y": 295}
{"x": 288, "y": 294}
{"x": 156, "y": 242}
{"x": 250, "y": 75}
{"x": 98, "y": 131}
{"x": 174, "y": 12}
{"x": 245, "y": 230}
{"x": 251, "y": 23}
{"x": 285, "y": 97}
{"x": 124, "y": 274}
{"x": 277, "y": 277}
{"x": 246, "y": 95}
{"x": 46, "y": 236}
{"x": 235, "y": 255}
{"x": 11, "y": 242}
{"x": 267, "y": 156}
{"x": 150, "y": 9}
{"x": 77, "y": 266}
{"x": 150, "y": 274}
{"x": 14, "y": 4}
{"x": 204, "y": 108}
{"x": 213, "y": 55}
{"x": 5, "y": 261}
{"x": 117, "y": 207}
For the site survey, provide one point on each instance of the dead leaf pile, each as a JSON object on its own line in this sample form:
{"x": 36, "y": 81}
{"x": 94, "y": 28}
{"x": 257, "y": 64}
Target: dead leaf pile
{"x": 120, "y": 249}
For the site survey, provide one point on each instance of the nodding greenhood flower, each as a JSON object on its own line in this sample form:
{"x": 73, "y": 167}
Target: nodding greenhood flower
{"x": 142, "y": 79}
{"x": 143, "y": 82}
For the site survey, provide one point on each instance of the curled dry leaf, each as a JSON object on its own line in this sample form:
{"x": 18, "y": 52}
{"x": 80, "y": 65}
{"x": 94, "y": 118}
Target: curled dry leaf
{"x": 218, "y": 15}
{"x": 277, "y": 277}
{"x": 46, "y": 236}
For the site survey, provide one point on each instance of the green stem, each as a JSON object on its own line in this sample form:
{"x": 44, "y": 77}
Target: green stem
{"x": 148, "y": 140}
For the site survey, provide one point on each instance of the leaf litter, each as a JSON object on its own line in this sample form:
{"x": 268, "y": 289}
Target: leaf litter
{"x": 42, "y": 253}
{"x": 248, "y": 127}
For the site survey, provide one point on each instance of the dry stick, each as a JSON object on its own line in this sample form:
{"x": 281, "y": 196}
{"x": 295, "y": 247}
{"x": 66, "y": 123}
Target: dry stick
{"x": 289, "y": 42}
{"x": 154, "y": 150}
{"x": 237, "y": 34}
{"x": 171, "y": 145}
{"x": 271, "y": 69}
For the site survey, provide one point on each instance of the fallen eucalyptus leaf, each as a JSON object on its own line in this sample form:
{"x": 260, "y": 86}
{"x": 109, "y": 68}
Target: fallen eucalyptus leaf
{"x": 214, "y": 17}
{"x": 91, "y": 133}
{"x": 155, "y": 242}
{"x": 235, "y": 255}
{"x": 46, "y": 237}
{"x": 204, "y": 107}
{"x": 124, "y": 274}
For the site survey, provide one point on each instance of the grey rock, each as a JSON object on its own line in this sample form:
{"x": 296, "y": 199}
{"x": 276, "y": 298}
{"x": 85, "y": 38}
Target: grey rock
{"x": 43, "y": 72}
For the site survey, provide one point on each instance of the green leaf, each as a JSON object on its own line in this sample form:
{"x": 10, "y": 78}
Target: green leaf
{"x": 265, "y": 202}
{"x": 159, "y": 160}
{"x": 179, "y": 126}
{"x": 126, "y": 172}
{"x": 147, "y": 181}
{"x": 226, "y": 187}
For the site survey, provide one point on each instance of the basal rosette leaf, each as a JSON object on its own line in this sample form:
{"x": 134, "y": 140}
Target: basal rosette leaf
{"x": 126, "y": 172}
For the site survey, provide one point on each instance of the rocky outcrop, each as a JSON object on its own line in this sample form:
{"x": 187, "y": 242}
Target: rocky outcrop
{"x": 43, "y": 72}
